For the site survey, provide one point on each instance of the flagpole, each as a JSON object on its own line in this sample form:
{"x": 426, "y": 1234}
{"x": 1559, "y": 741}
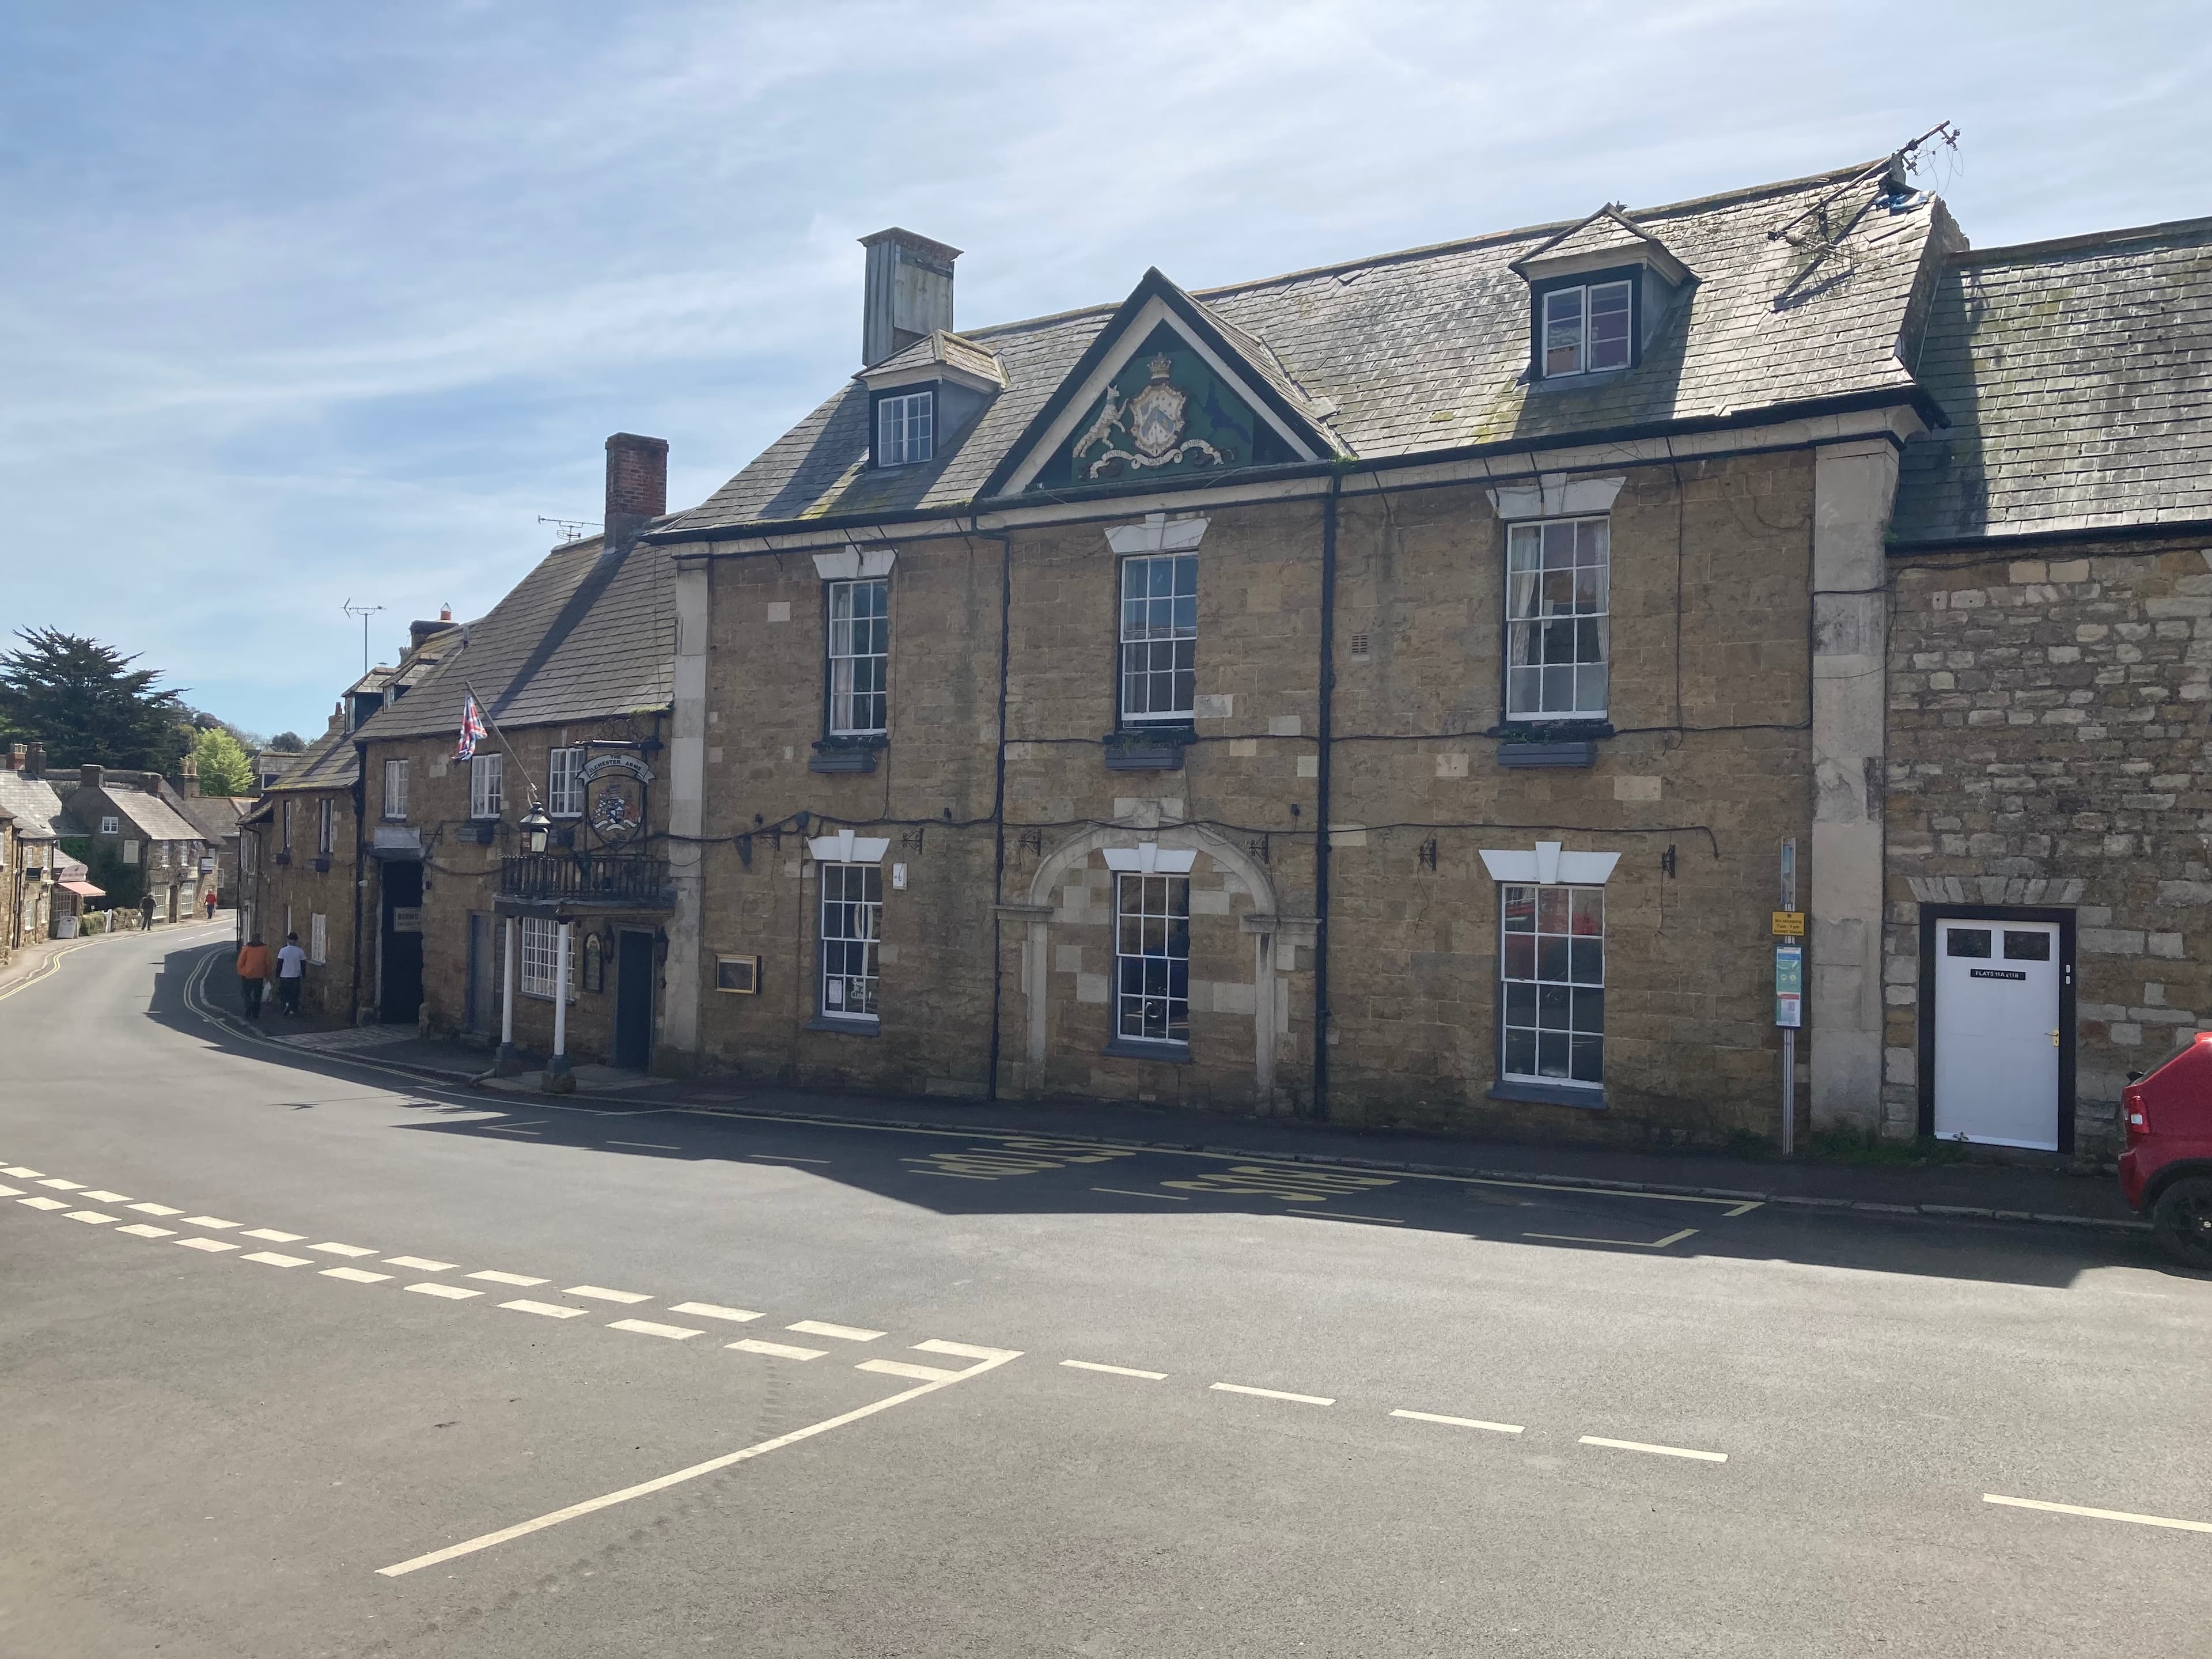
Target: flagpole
{"x": 492, "y": 726}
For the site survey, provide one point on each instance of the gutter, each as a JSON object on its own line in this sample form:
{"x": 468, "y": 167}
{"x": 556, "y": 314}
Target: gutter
{"x": 1913, "y": 396}
{"x": 1324, "y": 834}
{"x": 2178, "y": 528}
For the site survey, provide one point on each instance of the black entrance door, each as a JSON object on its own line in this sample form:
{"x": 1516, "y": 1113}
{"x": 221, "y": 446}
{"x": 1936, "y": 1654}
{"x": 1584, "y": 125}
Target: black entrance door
{"x": 634, "y": 1000}
{"x": 399, "y": 944}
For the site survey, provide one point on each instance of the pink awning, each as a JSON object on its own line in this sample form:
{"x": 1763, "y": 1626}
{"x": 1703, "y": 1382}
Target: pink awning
{"x": 83, "y": 888}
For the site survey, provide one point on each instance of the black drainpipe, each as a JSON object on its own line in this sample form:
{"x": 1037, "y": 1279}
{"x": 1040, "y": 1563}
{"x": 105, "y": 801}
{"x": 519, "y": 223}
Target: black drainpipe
{"x": 1321, "y": 793}
{"x": 1005, "y": 542}
{"x": 360, "y": 864}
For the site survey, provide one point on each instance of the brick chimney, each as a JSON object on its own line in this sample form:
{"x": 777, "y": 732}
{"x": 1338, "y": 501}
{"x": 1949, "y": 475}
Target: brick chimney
{"x": 909, "y": 292}
{"x": 637, "y": 483}
{"x": 192, "y": 776}
{"x": 18, "y": 755}
{"x": 89, "y": 777}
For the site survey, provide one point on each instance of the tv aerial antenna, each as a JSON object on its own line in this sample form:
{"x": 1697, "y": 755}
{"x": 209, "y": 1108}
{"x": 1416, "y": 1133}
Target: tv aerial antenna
{"x": 572, "y": 530}
{"x": 363, "y": 612}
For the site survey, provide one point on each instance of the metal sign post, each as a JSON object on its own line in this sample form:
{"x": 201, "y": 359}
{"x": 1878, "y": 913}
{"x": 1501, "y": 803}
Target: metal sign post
{"x": 1789, "y": 990}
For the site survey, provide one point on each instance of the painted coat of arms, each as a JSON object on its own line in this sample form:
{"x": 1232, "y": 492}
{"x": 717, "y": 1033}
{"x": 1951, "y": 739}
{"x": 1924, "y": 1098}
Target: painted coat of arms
{"x": 1150, "y": 424}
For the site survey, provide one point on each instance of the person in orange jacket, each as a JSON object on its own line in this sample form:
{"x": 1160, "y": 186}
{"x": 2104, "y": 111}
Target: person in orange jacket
{"x": 254, "y": 967}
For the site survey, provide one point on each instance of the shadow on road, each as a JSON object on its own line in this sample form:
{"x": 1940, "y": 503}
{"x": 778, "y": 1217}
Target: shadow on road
{"x": 1034, "y": 1166}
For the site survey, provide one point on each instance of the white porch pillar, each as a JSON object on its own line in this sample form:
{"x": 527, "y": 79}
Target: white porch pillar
{"x": 558, "y": 1078}
{"x": 507, "y": 1064}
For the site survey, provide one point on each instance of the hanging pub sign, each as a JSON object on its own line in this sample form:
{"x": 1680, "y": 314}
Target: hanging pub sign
{"x": 614, "y": 790}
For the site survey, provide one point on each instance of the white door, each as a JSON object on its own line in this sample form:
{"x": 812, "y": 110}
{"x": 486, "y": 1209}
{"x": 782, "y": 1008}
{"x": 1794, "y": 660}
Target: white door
{"x": 1997, "y": 1032}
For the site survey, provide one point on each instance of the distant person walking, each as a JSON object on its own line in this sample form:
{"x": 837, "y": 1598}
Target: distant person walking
{"x": 210, "y": 904}
{"x": 146, "y": 912}
{"x": 254, "y": 965}
{"x": 291, "y": 971}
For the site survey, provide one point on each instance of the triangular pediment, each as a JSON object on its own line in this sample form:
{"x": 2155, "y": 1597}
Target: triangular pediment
{"x": 1608, "y": 236}
{"x": 1165, "y": 390}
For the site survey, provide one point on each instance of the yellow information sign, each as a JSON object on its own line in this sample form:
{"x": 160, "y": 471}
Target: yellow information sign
{"x": 1789, "y": 923}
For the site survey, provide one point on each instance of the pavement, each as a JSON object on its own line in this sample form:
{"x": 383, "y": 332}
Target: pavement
{"x": 299, "y": 1356}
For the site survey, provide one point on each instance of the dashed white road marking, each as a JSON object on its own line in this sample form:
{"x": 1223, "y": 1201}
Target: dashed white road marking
{"x": 270, "y": 1258}
{"x": 775, "y": 1349}
{"x": 2099, "y": 1514}
{"x": 1125, "y": 1192}
{"x": 20, "y": 1172}
{"x": 710, "y": 1310}
{"x": 1462, "y": 1422}
{"x": 355, "y": 1276}
{"x": 1657, "y": 1451}
{"x": 966, "y": 1350}
{"x": 1271, "y": 1394}
{"x": 155, "y": 1209}
{"x": 141, "y": 1230}
{"x": 11, "y": 1192}
{"x": 547, "y": 1309}
{"x": 420, "y": 1264}
{"x": 503, "y": 1129}
{"x": 600, "y": 1293}
{"x": 646, "y": 1328}
{"x": 451, "y": 1293}
{"x": 1743, "y": 1209}
{"x": 45, "y": 1203}
{"x": 328, "y": 1248}
{"x": 843, "y": 1333}
{"x": 783, "y": 1158}
{"x": 1113, "y": 1370}
{"x": 491, "y": 1277}
{"x": 61, "y": 1186}
{"x": 911, "y": 1372}
{"x": 650, "y": 1146}
{"x": 92, "y": 1216}
{"x": 271, "y": 1235}
{"x": 104, "y": 1197}
{"x": 215, "y": 1222}
{"x": 663, "y": 1482}
{"x": 210, "y": 1245}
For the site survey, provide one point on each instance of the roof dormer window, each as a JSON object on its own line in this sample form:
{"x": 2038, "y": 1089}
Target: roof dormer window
{"x": 906, "y": 426}
{"x": 1586, "y": 328}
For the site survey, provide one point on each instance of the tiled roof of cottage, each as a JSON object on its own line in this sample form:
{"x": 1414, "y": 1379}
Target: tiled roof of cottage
{"x": 150, "y": 815}
{"x": 2077, "y": 376}
{"x": 329, "y": 763}
{"x": 36, "y": 805}
{"x": 1428, "y": 350}
{"x": 585, "y": 635}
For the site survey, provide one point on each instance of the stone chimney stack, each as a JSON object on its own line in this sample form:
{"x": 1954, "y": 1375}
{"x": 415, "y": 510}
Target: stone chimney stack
{"x": 18, "y": 757}
{"x": 89, "y": 777}
{"x": 637, "y": 484}
{"x": 35, "y": 764}
{"x": 192, "y": 776}
{"x": 909, "y": 292}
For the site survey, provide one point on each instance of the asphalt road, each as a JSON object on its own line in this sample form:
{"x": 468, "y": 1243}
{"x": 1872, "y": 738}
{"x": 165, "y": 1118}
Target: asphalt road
{"x": 298, "y": 1357}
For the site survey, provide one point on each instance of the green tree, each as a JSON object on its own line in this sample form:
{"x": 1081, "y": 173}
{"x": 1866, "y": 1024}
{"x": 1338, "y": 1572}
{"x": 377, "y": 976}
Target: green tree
{"x": 225, "y": 768}
{"x": 287, "y": 742}
{"x": 86, "y": 702}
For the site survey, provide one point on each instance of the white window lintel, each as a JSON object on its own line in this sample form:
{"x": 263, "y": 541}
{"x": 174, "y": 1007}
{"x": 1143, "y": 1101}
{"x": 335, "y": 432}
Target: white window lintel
{"x": 846, "y": 848}
{"x": 855, "y": 563}
{"x": 1555, "y": 495}
{"x": 1150, "y": 858}
{"x": 1548, "y": 863}
{"x": 1158, "y": 534}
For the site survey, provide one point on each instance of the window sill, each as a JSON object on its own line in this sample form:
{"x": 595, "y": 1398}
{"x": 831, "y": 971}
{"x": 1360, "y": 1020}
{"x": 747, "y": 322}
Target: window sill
{"x": 867, "y": 1028}
{"x": 841, "y": 760}
{"x": 1580, "y": 753}
{"x": 1155, "y": 747}
{"x": 1175, "y": 1054}
{"x": 1550, "y": 1094}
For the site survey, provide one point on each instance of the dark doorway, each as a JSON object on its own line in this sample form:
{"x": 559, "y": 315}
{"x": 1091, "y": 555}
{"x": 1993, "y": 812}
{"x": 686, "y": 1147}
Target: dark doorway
{"x": 399, "y": 944}
{"x": 634, "y": 1000}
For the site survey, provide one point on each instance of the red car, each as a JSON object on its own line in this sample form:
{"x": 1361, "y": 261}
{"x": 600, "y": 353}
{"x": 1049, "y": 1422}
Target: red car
{"x": 2166, "y": 1170}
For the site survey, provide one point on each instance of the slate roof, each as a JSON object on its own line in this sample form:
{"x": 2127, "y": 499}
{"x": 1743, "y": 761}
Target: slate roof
{"x": 1604, "y": 231}
{"x": 330, "y": 762}
{"x": 216, "y": 817}
{"x": 588, "y": 634}
{"x": 37, "y": 807}
{"x": 943, "y": 346}
{"x": 150, "y": 815}
{"x": 1427, "y": 350}
{"x": 2077, "y": 376}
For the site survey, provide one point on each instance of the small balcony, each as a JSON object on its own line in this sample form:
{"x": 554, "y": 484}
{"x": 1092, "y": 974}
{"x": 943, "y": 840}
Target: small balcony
{"x": 545, "y": 882}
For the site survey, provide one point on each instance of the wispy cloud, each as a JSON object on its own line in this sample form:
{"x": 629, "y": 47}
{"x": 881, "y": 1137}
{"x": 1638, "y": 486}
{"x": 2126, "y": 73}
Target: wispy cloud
{"x": 307, "y": 303}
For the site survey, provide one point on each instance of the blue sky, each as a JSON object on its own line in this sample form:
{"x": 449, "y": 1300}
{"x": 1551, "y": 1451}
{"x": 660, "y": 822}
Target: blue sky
{"x": 305, "y": 303}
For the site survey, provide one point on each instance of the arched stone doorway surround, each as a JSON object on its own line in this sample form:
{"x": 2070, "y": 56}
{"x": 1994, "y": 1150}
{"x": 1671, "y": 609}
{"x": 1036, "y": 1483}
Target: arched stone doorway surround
{"x": 1261, "y": 924}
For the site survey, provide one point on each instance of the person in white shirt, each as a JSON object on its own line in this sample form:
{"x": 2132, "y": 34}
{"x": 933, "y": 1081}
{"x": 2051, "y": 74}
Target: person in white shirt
{"x": 291, "y": 972}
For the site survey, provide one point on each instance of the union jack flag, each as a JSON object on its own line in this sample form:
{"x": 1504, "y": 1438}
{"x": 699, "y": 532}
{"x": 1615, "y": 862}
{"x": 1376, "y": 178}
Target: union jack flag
{"x": 472, "y": 731}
